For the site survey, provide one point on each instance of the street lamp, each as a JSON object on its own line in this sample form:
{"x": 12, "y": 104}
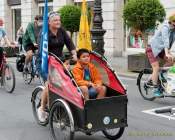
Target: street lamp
{"x": 97, "y": 30}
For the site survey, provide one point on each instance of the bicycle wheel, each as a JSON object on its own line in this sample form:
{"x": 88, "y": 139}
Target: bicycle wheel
{"x": 27, "y": 76}
{"x": 114, "y": 134}
{"x": 60, "y": 122}
{"x": 9, "y": 80}
{"x": 145, "y": 91}
{"x": 36, "y": 102}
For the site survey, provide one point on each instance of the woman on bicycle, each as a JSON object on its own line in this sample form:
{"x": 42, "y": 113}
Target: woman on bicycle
{"x": 57, "y": 38}
{"x": 159, "y": 47}
{"x": 3, "y": 36}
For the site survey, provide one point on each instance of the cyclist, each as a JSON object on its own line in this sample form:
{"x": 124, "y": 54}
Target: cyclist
{"x": 30, "y": 39}
{"x": 3, "y": 35}
{"x": 57, "y": 38}
{"x": 159, "y": 47}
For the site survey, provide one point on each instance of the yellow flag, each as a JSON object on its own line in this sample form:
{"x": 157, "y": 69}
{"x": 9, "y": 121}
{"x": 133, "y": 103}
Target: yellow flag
{"x": 84, "y": 38}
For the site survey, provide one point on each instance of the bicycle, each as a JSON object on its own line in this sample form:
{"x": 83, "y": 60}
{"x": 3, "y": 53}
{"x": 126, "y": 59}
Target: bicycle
{"x": 7, "y": 79}
{"x": 32, "y": 71}
{"x": 146, "y": 91}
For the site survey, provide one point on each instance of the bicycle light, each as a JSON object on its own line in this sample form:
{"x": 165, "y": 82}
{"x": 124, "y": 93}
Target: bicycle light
{"x": 106, "y": 120}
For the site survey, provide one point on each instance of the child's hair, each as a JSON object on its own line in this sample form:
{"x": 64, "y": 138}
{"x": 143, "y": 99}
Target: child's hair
{"x": 81, "y": 51}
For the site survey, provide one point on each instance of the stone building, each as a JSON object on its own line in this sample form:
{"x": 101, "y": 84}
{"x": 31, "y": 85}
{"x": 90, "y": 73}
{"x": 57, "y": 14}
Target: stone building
{"x": 18, "y": 13}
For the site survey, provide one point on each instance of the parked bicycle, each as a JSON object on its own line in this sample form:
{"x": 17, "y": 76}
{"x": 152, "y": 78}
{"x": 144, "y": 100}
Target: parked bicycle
{"x": 146, "y": 90}
{"x": 7, "y": 78}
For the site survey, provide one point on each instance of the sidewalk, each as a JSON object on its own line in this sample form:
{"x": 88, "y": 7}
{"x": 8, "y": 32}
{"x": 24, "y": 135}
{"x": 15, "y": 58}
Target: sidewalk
{"x": 119, "y": 64}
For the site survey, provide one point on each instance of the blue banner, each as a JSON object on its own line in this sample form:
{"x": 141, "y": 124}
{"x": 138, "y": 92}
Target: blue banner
{"x": 44, "y": 43}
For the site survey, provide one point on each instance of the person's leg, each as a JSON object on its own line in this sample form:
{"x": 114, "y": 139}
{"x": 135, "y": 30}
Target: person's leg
{"x": 29, "y": 53}
{"x": 101, "y": 92}
{"x": 155, "y": 73}
{"x": 42, "y": 115}
{"x": 44, "y": 97}
{"x": 84, "y": 90}
{"x": 28, "y": 57}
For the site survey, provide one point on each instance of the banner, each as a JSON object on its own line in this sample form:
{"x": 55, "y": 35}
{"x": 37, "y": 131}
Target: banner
{"x": 84, "y": 38}
{"x": 44, "y": 43}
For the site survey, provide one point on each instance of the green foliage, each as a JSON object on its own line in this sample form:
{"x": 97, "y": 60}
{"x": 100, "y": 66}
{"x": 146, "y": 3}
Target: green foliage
{"x": 70, "y": 17}
{"x": 143, "y": 14}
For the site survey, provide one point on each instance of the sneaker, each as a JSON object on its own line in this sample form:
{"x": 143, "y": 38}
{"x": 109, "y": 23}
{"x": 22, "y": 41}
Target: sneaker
{"x": 157, "y": 92}
{"x": 42, "y": 115}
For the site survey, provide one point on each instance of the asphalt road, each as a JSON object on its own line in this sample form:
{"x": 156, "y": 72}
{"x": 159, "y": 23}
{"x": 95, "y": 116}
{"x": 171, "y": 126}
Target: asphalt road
{"x": 17, "y": 121}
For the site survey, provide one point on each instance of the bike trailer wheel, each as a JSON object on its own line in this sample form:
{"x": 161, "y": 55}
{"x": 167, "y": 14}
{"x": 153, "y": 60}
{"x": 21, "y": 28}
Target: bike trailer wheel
{"x": 61, "y": 121}
{"x": 114, "y": 134}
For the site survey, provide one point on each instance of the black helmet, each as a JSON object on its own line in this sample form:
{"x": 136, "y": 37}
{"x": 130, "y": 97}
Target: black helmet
{"x": 20, "y": 62}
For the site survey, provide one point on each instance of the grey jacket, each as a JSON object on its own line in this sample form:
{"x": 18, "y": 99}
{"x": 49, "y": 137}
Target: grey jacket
{"x": 162, "y": 39}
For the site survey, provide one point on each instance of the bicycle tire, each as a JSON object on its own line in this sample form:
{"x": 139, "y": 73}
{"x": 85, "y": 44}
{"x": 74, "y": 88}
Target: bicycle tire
{"x": 10, "y": 89}
{"x": 143, "y": 89}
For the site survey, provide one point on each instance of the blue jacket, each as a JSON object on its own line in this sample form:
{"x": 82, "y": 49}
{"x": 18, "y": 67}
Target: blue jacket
{"x": 161, "y": 39}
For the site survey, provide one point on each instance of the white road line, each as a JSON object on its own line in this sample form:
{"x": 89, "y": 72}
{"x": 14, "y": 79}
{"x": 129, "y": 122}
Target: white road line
{"x": 152, "y": 112}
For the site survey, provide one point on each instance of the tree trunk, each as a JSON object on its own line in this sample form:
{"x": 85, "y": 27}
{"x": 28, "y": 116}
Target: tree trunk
{"x": 145, "y": 39}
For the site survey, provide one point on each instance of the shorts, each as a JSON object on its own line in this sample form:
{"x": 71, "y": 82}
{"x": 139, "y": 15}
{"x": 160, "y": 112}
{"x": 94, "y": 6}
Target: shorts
{"x": 92, "y": 93}
{"x": 152, "y": 58}
{"x": 30, "y": 47}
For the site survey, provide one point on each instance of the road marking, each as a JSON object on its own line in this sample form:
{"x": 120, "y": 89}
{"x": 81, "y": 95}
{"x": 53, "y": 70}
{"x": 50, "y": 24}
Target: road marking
{"x": 152, "y": 112}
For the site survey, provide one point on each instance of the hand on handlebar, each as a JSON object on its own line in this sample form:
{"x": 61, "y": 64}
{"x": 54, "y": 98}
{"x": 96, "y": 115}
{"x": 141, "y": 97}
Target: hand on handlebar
{"x": 74, "y": 57}
{"x": 170, "y": 56}
{"x": 35, "y": 45}
{"x": 13, "y": 45}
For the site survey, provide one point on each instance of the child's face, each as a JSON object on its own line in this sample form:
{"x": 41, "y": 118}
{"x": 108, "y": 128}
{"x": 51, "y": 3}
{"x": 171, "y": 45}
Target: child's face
{"x": 85, "y": 58}
{"x": 67, "y": 64}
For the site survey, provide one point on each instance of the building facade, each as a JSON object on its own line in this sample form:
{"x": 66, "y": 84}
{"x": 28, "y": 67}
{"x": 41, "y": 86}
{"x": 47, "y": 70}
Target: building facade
{"x": 18, "y": 13}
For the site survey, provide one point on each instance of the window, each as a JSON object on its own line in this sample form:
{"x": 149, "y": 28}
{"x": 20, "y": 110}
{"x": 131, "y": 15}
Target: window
{"x": 41, "y": 7}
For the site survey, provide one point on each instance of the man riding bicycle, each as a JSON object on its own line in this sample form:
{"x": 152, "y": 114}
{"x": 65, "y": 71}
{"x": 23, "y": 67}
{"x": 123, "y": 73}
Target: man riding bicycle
{"x": 3, "y": 36}
{"x": 159, "y": 47}
{"x": 30, "y": 39}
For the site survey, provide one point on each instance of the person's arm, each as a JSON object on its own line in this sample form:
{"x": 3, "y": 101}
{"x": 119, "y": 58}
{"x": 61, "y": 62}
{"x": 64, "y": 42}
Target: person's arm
{"x": 7, "y": 40}
{"x": 70, "y": 45}
{"x": 165, "y": 38}
{"x": 31, "y": 33}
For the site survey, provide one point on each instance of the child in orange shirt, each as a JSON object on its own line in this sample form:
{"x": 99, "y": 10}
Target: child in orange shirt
{"x": 88, "y": 77}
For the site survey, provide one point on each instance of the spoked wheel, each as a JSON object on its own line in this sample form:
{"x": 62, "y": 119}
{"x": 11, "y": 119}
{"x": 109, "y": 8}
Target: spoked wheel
{"x": 9, "y": 80}
{"x": 27, "y": 76}
{"x": 145, "y": 90}
{"x": 114, "y": 134}
{"x": 36, "y": 103}
{"x": 61, "y": 122}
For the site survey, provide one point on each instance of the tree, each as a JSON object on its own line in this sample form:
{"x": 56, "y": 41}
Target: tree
{"x": 143, "y": 15}
{"x": 70, "y": 17}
